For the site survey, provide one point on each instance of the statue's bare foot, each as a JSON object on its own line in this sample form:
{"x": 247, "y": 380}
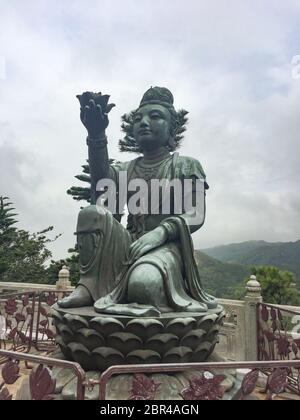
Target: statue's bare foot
{"x": 80, "y": 297}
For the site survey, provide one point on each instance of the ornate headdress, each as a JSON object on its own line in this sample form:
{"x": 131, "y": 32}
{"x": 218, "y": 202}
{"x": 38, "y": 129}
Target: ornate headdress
{"x": 163, "y": 97}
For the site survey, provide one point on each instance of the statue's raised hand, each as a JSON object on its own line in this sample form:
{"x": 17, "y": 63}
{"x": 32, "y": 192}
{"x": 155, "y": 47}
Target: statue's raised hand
{"x": 94, "y": 109}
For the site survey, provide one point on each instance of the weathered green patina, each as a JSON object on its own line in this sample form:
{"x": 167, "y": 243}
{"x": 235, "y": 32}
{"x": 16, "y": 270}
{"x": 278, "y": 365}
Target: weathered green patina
{"x": 147, "y": 268}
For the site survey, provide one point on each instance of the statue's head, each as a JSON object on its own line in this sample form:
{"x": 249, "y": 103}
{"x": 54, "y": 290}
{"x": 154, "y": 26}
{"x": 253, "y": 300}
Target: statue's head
{"x": 155, "y": 121}
{"x": 154, "y": 124}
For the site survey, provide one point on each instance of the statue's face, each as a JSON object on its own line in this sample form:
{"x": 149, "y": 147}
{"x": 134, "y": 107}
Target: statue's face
{"x": 152, "y": 124}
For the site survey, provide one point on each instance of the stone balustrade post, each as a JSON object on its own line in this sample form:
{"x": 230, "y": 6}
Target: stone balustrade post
{"x": 252, "y": 298}
{"x": 63, "y": 282}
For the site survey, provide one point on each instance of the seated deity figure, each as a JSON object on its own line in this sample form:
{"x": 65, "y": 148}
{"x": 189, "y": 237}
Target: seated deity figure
{"x": 147, "y": 268}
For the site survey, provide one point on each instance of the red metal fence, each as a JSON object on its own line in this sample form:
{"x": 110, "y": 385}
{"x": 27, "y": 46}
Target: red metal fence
{"x": 278, "y": 337}
{"x": 26, "y": 321}
{"x": 27, "y": 324}
{"x": 41, "y": 384}
{"x": 204, "y": 386}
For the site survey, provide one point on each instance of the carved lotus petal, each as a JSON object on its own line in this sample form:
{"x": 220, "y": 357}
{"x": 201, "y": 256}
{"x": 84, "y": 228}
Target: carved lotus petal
{"x": 63, "y": 348}
{"x": 193, "y": 339}
{"x": 90, "y": 338}
{"x": 145, "y": 328}
{"x": 212, "y": 336}
{"x": 106, "y": 357}
{"x": 66, "y": 333}
{"x": 221, "y": 318}
{"x": 162, "y": 343}
{"x": 124, "y": 342}
{"x": 106, "y": 326}
{"x": 207, "y": 322}
{"x": 81, "y": 355}
{"x": 181, "y": 326}
{"x": 143, "y": 356}
{"x": 56, "y": 315}
{"x": 75, "y": 322}
{"x": 178, "y": 355}
{"x": 203, "y": 351}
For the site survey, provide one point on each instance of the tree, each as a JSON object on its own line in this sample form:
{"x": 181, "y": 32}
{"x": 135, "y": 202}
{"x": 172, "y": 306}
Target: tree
{"x": 7, "y": 218}
{"x": 84, "y": 193}
{"x": 22, "y": 254}
{"x": 278, "y": 287}
{"x": 7, "y": 231}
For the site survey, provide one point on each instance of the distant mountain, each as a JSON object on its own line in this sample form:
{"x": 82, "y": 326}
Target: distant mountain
{"x": 284, "y": 255}
{"x": 218, "y": 277}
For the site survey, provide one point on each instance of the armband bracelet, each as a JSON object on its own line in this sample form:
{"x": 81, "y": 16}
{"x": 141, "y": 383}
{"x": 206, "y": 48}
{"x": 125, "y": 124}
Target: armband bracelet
{"x": 100, "y": 142}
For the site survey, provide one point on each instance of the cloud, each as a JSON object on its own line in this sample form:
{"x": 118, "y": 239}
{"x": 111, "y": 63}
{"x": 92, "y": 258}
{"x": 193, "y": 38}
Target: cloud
{"x": 227, "y": 62}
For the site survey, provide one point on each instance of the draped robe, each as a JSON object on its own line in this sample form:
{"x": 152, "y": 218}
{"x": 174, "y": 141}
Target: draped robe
{"x": 107, "y": 259}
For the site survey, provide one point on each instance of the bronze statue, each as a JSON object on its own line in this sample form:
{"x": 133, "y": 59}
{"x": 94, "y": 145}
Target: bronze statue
{"x": 148, "y": 268}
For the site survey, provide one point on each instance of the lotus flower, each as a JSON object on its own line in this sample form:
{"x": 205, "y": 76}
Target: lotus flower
{"x": 99, "y": 99}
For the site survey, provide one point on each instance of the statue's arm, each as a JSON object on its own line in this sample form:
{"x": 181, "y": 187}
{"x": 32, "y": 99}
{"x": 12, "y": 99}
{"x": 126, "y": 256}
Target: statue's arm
{"x": 194, "y": 210}
{"x": 94, "y": 109}
{"x": 194, "y": 203}
{"x": 98, "y": 162}
{"x": 194, "y": 186}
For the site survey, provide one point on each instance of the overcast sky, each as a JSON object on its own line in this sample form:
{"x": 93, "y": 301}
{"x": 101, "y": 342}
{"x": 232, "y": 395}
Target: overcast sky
{"x": 228, "y": 62}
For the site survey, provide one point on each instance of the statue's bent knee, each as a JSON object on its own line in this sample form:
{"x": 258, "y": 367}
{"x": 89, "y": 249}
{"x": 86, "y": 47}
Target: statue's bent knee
{"x": 145, "y": 286}
{"x": 91, "y": 218}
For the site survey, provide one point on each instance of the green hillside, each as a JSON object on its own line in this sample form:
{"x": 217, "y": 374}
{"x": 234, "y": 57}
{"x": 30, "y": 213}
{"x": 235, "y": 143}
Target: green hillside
{"x": 284, "y": 255}
{"x": 218, "y": 277}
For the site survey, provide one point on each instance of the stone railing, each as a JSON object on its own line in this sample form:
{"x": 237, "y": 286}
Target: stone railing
{"x": 63, "y": 283}
{"x": 232, "y": 334}
{"x": 238, "y": 336}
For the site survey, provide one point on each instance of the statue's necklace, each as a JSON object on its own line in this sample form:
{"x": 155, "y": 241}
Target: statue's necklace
{"x": 147, "y": 171}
